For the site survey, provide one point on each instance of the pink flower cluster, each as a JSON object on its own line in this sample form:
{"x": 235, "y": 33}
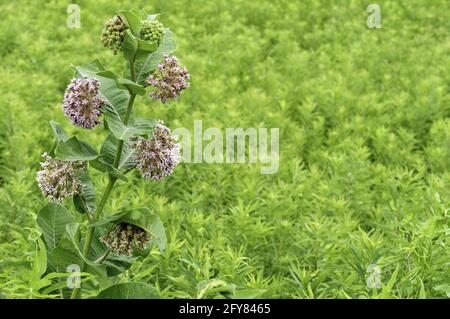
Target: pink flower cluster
{"x": 157, "y": 157}
{"x": 81, "y": 102}
{"x": 169, "y": 80}
{"x": 58, "y": 179}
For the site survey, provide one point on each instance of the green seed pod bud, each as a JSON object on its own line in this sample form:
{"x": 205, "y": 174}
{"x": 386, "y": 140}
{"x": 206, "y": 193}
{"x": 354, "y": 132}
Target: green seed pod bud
{"x": 152, "y": 31}
{"x": 114, "y": 34}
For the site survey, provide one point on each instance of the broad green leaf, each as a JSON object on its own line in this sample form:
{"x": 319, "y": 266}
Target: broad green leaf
{"x": 94, "y": 66}
{"x": 73, "y": 235}
{"x": 109, "y": 90}
{"x": 145, "y": 47}
{"x": 147, "y": 65}
{"x": 109, "y": 149}
{"x": 59, "y": 134}
{"x": 59, "y": 131}
{"x": 134, "y": 48}
{"x": 124, "y": 132}
{"x": 52, "y": 219}
{"x": 129, "y": 290}
{"x": 62, "y": 257}
{"x": 130, "y": 46}
{"x": 101, "y": 165}
{"x": 131, "y": 86}
{"x": 85, "y": 202}
{"x": 74, "y": 150}
{"x": 133, "y": 20}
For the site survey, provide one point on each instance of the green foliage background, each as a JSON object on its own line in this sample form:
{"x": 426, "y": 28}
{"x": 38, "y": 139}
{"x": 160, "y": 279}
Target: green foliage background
{"x": 364, "y": 140}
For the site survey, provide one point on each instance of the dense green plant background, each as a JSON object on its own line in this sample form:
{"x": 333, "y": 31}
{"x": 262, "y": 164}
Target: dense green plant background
{"x": 364, "y": 138}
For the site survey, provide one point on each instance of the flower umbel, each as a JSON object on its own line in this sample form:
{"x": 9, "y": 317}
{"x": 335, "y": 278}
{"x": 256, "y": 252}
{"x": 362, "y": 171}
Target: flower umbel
{"x": 124, "y": 237}
{"x": 152, "y": 31}
{"x": 157, "y": 157}
{"x": 169, "y": 80}
{"x": 114, "y": 34}
{"x": 57, "y": 179}
{"x": 81, "y": 103}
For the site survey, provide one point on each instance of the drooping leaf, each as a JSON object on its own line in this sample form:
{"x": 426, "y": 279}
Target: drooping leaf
{"x": 130, "y": 46}
{"x": 124, "y": 132}
{"x": 145, "y": 47}
{"x": 73, "y": 234}
{"x": 129, "y": 290}
{"x": 85, "y": 202}
{"x": 60, "y": 134}
{"x": 74, "y": 150}
{"x": 133, "y": 20}
{"x": 109, "y": 149}
{"x": 94, "y": 66}
{"x": 101, "y": 165}
{"x": 131, "y": 86}
{"x": 52, "y": 219}
{"x": 62, "y": 257}
{"x": 148, "y": 64}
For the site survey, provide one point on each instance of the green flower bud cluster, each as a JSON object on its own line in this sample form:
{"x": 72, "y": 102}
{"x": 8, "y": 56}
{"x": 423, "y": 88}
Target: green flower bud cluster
{"x": 152, "y": 31}
{"x": 114, "y": 34}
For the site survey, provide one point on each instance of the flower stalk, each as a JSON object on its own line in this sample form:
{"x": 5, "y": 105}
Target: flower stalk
{"x": 111, "y": 182}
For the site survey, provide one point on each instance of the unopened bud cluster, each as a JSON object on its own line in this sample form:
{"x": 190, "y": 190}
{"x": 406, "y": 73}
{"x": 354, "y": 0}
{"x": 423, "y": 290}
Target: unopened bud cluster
{"x": 58, "y": 179}
{"x": 124, "y": 237}
{"x": 114, "y": 33}
{"x": 152, "y": 31}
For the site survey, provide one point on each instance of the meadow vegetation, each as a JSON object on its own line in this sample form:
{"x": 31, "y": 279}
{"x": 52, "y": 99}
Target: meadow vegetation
{"x": 364, "y": 118}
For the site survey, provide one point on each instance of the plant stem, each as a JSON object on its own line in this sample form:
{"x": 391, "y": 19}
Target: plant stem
{"x": 90, "y": 233}
{"x": 111, "y": 182}
{"x": 127, "y": 115}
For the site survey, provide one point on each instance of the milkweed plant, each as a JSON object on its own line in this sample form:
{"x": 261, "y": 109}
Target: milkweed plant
{"x": 76, "y": 259}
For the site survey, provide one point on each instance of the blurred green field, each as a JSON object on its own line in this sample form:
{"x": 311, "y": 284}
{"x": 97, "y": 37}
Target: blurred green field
{"x": 364, "y": 118}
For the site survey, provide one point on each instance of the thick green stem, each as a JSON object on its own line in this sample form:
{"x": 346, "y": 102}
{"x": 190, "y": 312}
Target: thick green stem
{"x": 111, "y": 182}
{"x": 90, "y": 233}
{"x": 125, "y": 121}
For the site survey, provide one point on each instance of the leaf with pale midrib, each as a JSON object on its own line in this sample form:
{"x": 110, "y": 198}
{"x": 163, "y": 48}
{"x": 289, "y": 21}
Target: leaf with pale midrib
{"x": 52, "y": 219}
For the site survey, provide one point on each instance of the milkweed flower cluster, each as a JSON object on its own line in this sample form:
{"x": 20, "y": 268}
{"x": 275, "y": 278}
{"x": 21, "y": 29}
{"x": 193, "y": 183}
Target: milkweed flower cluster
{"x": 81, "y": 102}
{"x": 157, "y": 157}
{"x": 152, "y": 31}
{"x": 58, "y": 179}
{"x": 169, "y": 80}
{"x": 124, "y": 237}
{"x": 114, "y": 34}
